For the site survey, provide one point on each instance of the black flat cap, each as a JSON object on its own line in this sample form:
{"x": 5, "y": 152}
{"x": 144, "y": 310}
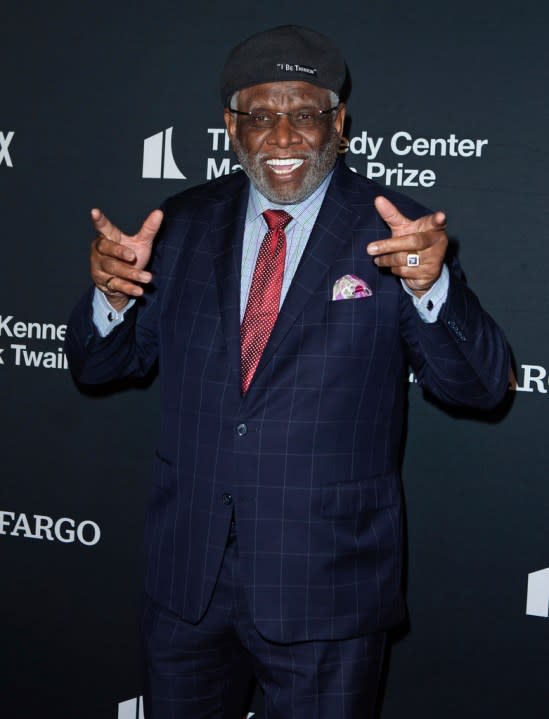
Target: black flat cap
{"x": 288, "y": 52}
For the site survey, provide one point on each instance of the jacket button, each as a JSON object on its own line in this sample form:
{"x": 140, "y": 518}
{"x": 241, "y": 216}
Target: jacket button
{"x": 241, "y": 429}
{"x": 227, "y": 498}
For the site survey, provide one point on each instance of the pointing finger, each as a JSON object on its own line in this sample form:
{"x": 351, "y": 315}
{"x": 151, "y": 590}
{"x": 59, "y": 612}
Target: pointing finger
{"x": 401, "y": 225}
{"x": 390, "y": 214}
{"x": 419, "y": 240}
{"x": 104, "y": 226}
{"x": 408, "y": 243}
{"x": 151, "y": 226}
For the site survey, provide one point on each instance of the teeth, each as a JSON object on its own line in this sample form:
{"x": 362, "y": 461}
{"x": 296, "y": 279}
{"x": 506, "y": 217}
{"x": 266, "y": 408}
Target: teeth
{"x": 284, "y": 165}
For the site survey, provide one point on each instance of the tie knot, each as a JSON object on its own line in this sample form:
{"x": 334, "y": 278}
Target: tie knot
{"x": 276, "y": 219}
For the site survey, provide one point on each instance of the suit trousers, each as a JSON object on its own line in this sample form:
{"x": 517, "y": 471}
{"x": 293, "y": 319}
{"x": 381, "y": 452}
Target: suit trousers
{"x": 206, "y": 670}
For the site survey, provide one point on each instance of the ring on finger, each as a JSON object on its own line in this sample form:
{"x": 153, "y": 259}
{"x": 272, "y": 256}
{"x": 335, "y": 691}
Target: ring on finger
{"x": 412, "y": 259}
{"x": 108, "y": 284}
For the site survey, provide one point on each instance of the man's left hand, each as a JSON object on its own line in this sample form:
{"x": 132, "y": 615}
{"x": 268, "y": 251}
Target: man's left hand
{"x": 416, "y": 248}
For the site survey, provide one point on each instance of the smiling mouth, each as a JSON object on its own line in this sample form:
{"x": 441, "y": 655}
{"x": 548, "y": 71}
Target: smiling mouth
{"x": 285, "y": 166}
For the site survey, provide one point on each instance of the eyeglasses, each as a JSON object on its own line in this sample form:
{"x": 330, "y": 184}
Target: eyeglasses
{"x": 302, "y": 119}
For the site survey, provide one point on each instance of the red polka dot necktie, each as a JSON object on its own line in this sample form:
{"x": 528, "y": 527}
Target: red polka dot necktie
{"x": 264, "y": 298}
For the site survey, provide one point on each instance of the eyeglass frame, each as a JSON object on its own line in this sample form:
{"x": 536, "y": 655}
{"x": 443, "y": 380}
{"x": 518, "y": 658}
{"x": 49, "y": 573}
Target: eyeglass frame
{"x": 289, "y": 114}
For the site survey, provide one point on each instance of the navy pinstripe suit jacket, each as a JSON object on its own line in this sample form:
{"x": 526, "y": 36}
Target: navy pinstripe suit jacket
{"x": 308, "y": 460}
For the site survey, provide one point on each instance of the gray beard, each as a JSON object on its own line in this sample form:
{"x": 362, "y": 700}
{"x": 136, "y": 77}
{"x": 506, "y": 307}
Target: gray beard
{"x": 320, "y": 164}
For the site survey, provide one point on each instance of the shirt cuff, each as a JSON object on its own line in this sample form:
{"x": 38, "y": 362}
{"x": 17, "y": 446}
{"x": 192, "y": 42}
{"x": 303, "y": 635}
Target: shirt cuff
{"x": 429, "y": 304}
{"x": 104, "y": 316}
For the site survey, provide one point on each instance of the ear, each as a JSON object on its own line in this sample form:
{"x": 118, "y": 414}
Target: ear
{"x": 340, "y": 119}
{"x": 230, "y": 122}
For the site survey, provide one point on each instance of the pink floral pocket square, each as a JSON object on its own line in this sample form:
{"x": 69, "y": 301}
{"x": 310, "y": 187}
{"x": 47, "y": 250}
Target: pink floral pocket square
{"x": 350, "y": 287}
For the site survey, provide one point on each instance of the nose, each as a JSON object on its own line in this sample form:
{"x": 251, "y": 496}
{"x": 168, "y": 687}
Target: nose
{"x": 283, "y": 134}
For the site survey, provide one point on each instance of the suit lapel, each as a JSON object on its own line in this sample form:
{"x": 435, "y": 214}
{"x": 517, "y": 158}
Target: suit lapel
{"x": 227, "y": 233}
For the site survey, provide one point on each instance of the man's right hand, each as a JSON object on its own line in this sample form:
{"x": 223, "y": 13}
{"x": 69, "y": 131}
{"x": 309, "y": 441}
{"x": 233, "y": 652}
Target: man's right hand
{"x": 117, "y": 261}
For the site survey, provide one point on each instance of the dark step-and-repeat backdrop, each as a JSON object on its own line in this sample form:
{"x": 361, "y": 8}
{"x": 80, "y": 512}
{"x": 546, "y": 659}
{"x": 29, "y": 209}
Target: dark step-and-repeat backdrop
{"x": 115, "y": 105}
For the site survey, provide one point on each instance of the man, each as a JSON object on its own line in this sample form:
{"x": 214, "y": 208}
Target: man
{"x": 285, "y": 304}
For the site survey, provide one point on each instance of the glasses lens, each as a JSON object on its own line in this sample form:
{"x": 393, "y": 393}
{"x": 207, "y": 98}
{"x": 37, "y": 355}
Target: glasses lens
{"x": 303, "y": 118}
{"x": 262, "y": 119}
{"x": 306, "y": 117}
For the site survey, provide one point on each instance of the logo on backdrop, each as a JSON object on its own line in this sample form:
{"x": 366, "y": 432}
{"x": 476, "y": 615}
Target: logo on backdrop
{"x": 396, "y": 161}
{"x": 133, "y": 709}
{"x": 537, "y": 598}
{"x": 5, "y": 141}
{"x": 158, "y": 160}
{"x": 369, "y": 150}
{"x": 31, "y": 344}
{"x": 532, "y": 378}
{"x": 40, "y": 526}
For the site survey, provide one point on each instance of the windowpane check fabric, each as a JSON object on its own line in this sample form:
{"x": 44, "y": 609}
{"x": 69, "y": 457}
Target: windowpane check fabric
{"x": 264, "y": 299}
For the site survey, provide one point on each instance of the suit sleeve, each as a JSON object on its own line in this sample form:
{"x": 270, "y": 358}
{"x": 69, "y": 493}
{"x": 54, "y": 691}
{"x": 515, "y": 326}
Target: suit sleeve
{"x": 463, "y": 358}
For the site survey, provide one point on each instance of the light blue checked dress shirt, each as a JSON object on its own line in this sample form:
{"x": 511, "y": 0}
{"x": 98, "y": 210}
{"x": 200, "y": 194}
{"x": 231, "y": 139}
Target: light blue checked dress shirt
{"x": 304, "y": 216}
{"x": 297, "y": 232}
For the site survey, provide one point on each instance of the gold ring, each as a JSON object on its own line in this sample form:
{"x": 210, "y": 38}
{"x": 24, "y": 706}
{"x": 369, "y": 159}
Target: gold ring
{"x": 107, "y": 284}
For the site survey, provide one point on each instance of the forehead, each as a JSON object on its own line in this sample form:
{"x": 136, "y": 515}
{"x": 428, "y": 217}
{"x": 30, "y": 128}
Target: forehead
{"x": 283, "y": 93}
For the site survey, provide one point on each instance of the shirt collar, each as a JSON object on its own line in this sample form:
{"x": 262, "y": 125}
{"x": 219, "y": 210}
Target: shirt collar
{"x": 300, "y": 211}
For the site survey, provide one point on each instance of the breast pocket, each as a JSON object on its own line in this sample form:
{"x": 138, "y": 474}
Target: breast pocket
{"x": 352, "y": 326}
{"x": 346, "y": 311}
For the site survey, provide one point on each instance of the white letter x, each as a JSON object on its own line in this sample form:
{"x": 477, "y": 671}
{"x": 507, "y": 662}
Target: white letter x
{"x": 4, "y": 144}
